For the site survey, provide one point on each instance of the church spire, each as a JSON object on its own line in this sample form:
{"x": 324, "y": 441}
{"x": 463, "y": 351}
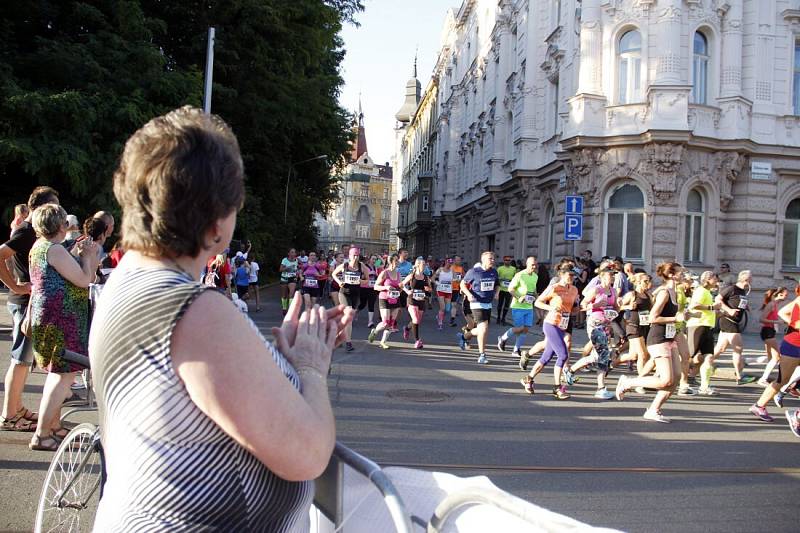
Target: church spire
{"x": 360, "y": 144}
{"x": 413, "y": 96}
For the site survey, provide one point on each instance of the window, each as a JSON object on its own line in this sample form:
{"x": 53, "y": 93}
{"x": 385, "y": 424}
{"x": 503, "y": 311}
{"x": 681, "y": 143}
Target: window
{"x": 386, "y": 193}
{"x": 796, "y": 94}
{"x": 625, "y": 223}
{"x": 365, "y": 190}
{"x": 555, "y": 106}
{"x": 693, "y": 236}
{"x": 700, "y": 65}
{"x": 791, "y": 235}
{"x": 549, "y": 232}
{"x": 362, "y": 231}
{"x": 384, "y": 234}
{"x": 425, "y": 202}
{"x": 629, "y": 65}
{"x": 362, "y": 216}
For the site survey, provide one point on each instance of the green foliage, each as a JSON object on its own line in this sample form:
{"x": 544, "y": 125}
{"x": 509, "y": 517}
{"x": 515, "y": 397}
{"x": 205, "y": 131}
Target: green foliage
{"x": 78, "y": 77}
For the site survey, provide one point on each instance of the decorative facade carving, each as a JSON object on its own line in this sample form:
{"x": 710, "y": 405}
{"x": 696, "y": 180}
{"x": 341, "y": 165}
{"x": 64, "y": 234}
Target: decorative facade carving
{"x": 664, "y": 161}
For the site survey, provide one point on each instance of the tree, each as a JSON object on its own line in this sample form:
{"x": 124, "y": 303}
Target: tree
{"x": 77, "y": 78}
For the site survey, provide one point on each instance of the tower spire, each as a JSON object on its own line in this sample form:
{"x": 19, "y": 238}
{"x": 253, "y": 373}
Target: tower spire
{"x": 416, "y": 53}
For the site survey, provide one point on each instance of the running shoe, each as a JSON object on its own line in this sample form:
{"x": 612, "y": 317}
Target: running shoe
{"x": 793, "y": 416}
{"x": 440, "y": 326}
{"x": 708, "y": 392}
{"x": 523, "y": 361}
{"x": 516, "y": 353}
{"x": 349, "y": 346}
{"x": 482, "y": 360}
{"x": 745, "y": 380}
{"x": 619, "y": 392}
{"x": 501, "y": 344}
{"x": 371, "y": 325}
{"x": 762, "y": 359}
{"x": 778, "y": 399}
{"x": 371, "y": 336}
{"x": 418, "y": 345}
{"x": 603, "y": 394}
{"x": 655, "y": 416}
{"x": 761, "y": 412}
{"x": 686, "y": 391}
{"x": 763, "y": 382}
{"x": 560, "y": 393}
{"x": 527, "y": 384}
{"x": 640, "y": 390}
{"x": 569, "y": 377}
{"x": 406, "y": 332}
{"x": 462, "y": 342}
{"x": 384, "y": 346}
{"x": 453, "y": 323}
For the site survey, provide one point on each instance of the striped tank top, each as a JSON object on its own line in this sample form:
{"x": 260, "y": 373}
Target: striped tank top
{"x": 170, "y": 467}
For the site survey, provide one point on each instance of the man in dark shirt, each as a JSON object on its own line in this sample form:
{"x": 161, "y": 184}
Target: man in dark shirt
{"x": 480, "y": 287}
{"x": 15, "y": 416}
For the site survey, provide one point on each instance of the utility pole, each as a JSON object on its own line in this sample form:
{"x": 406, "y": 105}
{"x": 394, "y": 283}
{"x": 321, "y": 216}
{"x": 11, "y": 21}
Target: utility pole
{"x": 209, "y": 71}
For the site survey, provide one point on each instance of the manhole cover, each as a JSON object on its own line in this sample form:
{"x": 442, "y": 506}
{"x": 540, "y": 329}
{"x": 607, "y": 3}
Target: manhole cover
{"x": 418, "y": 395}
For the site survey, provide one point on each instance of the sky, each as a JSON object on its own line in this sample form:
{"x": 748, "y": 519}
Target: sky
{"x": 380, "y": 60}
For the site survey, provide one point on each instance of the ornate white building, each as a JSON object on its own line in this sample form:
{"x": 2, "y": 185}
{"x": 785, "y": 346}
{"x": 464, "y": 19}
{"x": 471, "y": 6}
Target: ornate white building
{"x": 677, "y": 121}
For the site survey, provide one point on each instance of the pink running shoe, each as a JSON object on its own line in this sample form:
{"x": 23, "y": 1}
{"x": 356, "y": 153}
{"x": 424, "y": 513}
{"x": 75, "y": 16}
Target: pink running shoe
{"x": 418, "y": 345}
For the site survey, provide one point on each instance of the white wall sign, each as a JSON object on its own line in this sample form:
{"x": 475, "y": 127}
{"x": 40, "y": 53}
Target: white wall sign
{"x": 760, "y": 170}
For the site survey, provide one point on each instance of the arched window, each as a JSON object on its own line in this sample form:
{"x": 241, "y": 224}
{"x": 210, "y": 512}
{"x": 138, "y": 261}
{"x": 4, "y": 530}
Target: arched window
{"x": 549, "y": 232}
{"x": 700, "y": 73}
{"x": 362, "y": 217}
{"x": 694, "y": 231}
{"x": 629, "y": 66}
{"x": 791, "y": 235}
{"x": 625, "y": 223}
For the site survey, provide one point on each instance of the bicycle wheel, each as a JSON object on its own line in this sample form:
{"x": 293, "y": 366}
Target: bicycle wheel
{"x": 72, "y": 486}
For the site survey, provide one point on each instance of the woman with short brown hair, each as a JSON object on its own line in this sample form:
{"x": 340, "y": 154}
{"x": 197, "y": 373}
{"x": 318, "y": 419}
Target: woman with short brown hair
{"x": 203, "y": 420}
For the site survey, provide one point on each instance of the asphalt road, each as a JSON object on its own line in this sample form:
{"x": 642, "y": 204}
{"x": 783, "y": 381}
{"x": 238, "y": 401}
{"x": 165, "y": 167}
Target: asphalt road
{"x": 714, "y": 468}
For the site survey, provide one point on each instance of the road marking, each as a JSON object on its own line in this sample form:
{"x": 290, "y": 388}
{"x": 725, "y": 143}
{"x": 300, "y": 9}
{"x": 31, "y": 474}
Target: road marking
{"x": 567, "y": 469}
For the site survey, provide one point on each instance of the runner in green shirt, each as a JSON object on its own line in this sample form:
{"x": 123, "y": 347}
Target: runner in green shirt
{"x": 505, "y": 273}
{"x": 522, "y": 290}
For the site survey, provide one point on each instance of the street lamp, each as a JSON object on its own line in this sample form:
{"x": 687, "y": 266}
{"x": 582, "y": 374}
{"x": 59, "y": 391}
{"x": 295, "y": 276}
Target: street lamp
{"x": 288, "y": 177}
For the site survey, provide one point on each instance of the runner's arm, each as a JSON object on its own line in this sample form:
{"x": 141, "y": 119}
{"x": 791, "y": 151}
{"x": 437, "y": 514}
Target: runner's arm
{"x": 6, "y": 252}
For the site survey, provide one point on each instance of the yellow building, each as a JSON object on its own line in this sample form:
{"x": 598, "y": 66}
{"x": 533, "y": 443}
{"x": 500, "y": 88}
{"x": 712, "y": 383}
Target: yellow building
{"x": 362, "y": 216}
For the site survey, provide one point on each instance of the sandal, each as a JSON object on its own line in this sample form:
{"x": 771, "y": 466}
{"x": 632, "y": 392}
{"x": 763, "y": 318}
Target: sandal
{"x": 60, "y": 433}
{"x": 44, "y": 444}
{"x": 18, "y": 422}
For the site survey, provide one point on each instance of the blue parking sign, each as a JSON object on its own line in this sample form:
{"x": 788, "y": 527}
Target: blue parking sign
{"x": 573, "y": 227}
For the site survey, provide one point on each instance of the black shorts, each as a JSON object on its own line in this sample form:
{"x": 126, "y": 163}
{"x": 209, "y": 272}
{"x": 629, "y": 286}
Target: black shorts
{"x": 314, "y": 292}
{"x": 466, "y": 309}
{"x": 727, "y": 325}
{"x": 481, "y": 315}
{"x": 403, "y": 299}
{"x": 383, "y": 303}
{"x": 701, "y": 340}
{"x": 570, "y": 325}
{"x": 767, "y": 333}
{"x": 456, "y": 297}
{"x": 351, "y": 298}
{"x": 241, "y": 290}
{"x": 288, "y": 281}
{"x": 632, "y": 331}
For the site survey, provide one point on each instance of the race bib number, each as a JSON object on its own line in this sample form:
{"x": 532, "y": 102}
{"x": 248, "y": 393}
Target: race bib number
{"x": 394, "y": 294}
{"x": 742, "y": 303}
{"x": 444, "y": 287}
{"x": 505, "y": 283}
{"x": 529, "y": 298}
{"x": 456, "y": 277}
{"x": 371, "y": 283}
{"x": 311, "y": 283}
{"x": 610, "y": 314}
{"x": 418, "y": 295}
{"x": 563, "y": 323}
{"x": 670, "y": 331}
{"x": 487, "y": 285}
{"x": 352, "y": 279}
{"x": 644, "y": 318}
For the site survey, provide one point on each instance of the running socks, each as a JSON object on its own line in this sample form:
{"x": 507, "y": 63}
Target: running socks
{"x": 440, "y": 317}
{"x": 508, "y": 334}
{"x": 519, "y": 342}
{"x": 284, "y": 303}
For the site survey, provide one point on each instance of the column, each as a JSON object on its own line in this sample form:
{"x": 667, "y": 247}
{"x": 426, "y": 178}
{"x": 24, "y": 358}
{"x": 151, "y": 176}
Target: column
{"x": 668, "y": 60}
{"x": 591, "y": 59}
{"x": 731, "y": 71}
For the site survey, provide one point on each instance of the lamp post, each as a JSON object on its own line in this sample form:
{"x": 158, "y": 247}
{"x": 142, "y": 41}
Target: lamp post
{"x": 289, "y": 176}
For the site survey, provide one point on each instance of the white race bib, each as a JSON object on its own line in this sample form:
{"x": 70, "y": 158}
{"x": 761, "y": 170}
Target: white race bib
{"x": 644, "y": 318}
{"x": 742, "y": 303}
{"x": 394, "y": 294}
{"x": 371, "y": 283}
{"x": 487, "y": 285}
{"x": 311, "y": 283}
{"x": 444, "y": 287}
{"x": 529, "y": 298}
{"x": 456, "y": 277}
{"x": 564, "y": 322}
{"x": 505, "y": 283}
{"x": 610, "y": 314}
{"x": 351, "y": 278}
{"x": 418, "y": 295}
{"x": 670, "y": 331}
